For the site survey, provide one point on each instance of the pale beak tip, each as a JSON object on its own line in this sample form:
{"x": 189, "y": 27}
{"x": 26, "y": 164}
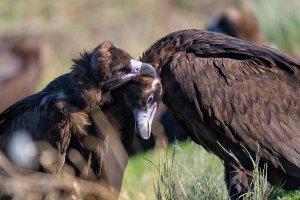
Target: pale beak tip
{"x": 145, "y": 137}
{"x": 145, "y": 133}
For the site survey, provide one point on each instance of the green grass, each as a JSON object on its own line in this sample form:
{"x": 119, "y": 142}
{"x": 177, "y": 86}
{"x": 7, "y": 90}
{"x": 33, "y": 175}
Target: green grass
{"x": 280, "y": 23}
{"x": 188, "y": 172}
{"x": 191, "y": 165}
{"x": 179, "y": 180}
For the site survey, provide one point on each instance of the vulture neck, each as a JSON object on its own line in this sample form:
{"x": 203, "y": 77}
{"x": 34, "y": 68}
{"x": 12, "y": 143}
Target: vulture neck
{"x": 84, "y": 83}
{"x": 123, "y": 121}
{"x": 160, "y": 52}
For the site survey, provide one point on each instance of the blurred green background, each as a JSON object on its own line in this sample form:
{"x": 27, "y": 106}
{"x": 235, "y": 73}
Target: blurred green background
{"x": 70, "y": 26}
{"x": 66, "y": 28}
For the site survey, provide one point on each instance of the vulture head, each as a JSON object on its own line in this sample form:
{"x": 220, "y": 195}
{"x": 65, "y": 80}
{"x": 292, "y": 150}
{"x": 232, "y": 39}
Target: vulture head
{"x": 142, "y": 98}
{"x": 128, "y": 82}
{"x": 116, "y": 67}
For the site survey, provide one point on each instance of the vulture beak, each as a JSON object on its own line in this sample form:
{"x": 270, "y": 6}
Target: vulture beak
{"x": 140, "y": 68}
{"x": 136, "y": 68}
{"x": 143, "y": 119}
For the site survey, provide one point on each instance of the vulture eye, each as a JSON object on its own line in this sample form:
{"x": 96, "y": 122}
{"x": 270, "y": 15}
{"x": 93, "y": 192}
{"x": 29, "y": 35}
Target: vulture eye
{"x": 150, "y": 99}
{"x": 119, "y": 70}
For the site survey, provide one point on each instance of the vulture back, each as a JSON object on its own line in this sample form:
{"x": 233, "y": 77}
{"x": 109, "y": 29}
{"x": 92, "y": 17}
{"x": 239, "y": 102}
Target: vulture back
{"x": 236, "y": 95}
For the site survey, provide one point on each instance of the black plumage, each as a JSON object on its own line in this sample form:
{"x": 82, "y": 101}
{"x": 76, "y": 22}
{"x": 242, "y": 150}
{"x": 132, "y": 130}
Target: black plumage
{"x": 60, "y": 113}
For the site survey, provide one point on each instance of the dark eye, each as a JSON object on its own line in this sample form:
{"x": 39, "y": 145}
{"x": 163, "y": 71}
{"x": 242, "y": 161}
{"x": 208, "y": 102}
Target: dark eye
{"x": 119, "y": 70}
{"x": 150, "y": 99}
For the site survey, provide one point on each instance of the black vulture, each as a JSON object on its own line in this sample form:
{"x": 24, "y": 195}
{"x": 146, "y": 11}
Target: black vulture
{"x": 234, "y": 96}
{"x": 60, "y": 113}
{"x": 233, "y": 22}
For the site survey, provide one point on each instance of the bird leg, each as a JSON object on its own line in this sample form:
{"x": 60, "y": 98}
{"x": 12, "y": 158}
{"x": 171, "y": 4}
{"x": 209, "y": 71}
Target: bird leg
{"x": 238, "y": 179}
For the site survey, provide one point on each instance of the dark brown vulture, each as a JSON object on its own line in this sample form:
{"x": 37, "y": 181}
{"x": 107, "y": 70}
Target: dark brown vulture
{"x": 232, "y": 22}
{"x": 232, "y": 94}
{"x": 59, "y": 114}
{"x": 240, "y": 24}
{"x": 20, "y": 68}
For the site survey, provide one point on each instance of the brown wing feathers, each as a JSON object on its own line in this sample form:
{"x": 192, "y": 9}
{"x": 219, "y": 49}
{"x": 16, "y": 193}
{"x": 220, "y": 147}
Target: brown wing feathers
{"x": 250, "y": 114}
{"x": 247, "y": 92}
{"x": 205, "y": 44}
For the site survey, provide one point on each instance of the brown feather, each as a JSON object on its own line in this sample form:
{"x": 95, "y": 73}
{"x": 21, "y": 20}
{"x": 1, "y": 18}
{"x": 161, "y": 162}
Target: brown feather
{"x": 235, "y": 93}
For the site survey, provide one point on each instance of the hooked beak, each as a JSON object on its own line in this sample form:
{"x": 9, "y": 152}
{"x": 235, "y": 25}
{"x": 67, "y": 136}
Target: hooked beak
{"x": 137, "y": 68}
{"x": 140, "y": 68}
{"x": 144, "y": 120}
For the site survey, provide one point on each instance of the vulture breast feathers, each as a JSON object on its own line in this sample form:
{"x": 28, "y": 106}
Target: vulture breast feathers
{"x": 233, "y": 93}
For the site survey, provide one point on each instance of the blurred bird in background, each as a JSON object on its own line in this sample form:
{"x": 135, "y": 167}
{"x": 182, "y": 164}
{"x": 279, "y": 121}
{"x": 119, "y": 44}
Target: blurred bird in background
{"x": 21, "y": 67}
{"x": 238, "y": 23}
